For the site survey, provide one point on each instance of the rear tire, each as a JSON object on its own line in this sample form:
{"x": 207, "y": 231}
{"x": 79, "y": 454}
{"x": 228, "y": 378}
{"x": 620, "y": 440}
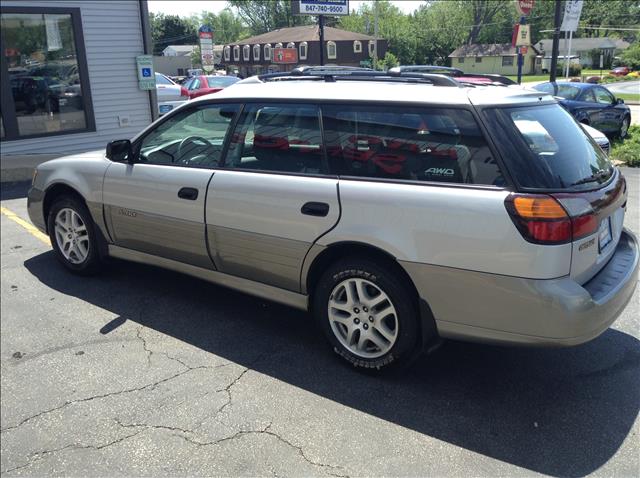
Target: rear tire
{"x": 73, "y": 235}
{"x": 368, "y": 314}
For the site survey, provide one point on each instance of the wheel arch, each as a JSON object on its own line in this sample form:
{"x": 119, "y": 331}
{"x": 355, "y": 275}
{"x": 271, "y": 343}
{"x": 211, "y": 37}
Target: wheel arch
{"x": 53, "y": 192}
{"x": 340, "y": 250}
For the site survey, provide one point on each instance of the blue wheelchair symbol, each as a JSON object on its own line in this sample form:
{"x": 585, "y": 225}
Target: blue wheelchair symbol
{"x": 146, "y": 72}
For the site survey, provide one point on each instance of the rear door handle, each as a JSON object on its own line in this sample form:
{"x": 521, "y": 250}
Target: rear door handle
{"x": 190, "y": 194}
{"x": 319, "y": 209}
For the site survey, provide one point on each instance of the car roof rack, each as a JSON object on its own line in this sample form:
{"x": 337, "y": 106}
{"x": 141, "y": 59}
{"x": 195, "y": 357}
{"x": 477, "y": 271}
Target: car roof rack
{"x": 334, "y": 73}
{"x": 497, "y": 80}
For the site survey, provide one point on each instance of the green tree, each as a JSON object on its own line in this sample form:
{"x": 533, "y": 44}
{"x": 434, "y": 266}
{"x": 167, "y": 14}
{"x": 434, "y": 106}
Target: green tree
{"x": 227, "y": 27}
{"x": 440, "y": 29}
{"x": 631, "y": 56}
{"x": 171, "y": 30}
{"x": 261, "y": 16}
{"x": 394, "y": 26}
{"x": 483, "y": 13}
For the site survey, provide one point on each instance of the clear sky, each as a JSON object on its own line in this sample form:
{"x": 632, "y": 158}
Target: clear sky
{"x": 187, "y": 7}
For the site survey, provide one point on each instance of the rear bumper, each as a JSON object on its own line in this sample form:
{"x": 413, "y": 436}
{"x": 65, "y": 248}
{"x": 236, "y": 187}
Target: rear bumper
{"x": 35, "y": 199}
{"x": 483, "y": 307}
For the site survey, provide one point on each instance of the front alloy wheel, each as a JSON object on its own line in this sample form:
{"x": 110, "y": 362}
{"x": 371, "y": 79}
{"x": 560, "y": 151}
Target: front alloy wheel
{"x": 624, "y": 128}
{"x": 71, "y": 235}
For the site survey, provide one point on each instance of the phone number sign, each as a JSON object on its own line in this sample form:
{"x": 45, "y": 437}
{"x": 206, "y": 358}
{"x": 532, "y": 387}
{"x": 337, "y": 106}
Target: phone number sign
{"x": 321, "y": 7}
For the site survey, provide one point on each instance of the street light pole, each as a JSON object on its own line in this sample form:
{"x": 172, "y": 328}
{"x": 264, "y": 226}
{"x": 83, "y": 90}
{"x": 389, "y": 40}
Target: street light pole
{"x": 556, "y": 41}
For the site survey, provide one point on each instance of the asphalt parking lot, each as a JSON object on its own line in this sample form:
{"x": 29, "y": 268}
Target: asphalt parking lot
{"x": 140, "y": 371}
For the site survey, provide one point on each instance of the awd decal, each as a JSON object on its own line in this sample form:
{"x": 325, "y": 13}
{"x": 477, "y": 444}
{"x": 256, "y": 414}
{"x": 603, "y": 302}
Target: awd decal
{"x": 586, "y": 244}
{"x": 440, "y": 171}
{"x": 127, "y": 212}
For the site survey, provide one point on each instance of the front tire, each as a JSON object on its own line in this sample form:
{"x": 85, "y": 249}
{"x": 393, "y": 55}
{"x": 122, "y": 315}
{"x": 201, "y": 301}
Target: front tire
{"x": 73, "y": 236}
{"x": 624, "y": 128}
{"x": 368, "y": 314}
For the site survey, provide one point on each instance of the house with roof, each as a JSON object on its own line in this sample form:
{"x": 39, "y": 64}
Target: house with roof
{"x": 179, "y": 50}
{"x": 497, "y": 58}
{"x": 254, "y": 55}
{"x": 588, "y": 50}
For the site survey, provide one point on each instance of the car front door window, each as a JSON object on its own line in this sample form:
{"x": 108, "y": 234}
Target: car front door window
{"x": 603, "y": 96}
{"x": 194, "y": 137}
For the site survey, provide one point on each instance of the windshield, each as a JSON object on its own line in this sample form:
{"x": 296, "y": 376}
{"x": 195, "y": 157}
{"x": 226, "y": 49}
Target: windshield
{"x": 546, "y": 149}
{"x": 221, "y": 81}
{"x": 568, "y": 92}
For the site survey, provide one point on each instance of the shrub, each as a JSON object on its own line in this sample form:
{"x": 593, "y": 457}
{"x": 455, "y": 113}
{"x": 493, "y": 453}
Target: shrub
{"x": 574, "y": 70}
{"x": 631, "y": 56}
{"x": 628, "y": 151}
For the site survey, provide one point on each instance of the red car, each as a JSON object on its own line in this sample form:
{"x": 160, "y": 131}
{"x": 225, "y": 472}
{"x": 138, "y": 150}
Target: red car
{"x": 620, "y": 71}
{"x": 205, "y": 84}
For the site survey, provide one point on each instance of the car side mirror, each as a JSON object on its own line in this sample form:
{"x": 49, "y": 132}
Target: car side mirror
{"x": 119, "y": 150}
{"x": 619, "y": 101}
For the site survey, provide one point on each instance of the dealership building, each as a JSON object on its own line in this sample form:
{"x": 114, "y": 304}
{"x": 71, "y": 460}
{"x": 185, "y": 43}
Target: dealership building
{"x": 69, "y": 80}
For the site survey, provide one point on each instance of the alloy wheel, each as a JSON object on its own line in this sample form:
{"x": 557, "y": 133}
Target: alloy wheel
{"x": 71, "y": 235}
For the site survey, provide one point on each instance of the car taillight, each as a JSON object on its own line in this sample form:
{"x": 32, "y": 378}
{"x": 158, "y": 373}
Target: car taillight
{"x": 184, "y": 92}
{"x": 541, "y": 219}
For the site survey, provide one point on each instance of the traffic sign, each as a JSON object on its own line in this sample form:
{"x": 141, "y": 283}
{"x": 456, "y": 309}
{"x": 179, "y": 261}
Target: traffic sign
{"x": 524, "y": 7}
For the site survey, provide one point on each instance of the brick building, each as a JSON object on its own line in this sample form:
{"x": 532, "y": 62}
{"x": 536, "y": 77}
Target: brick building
{"x": 253, "y": 55}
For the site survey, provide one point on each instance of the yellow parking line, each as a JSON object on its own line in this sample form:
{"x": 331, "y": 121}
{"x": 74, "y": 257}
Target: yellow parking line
{"x": 29, "y": 227}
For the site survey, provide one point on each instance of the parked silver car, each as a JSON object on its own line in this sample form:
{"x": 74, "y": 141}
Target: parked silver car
{"x": 397, "y": 208}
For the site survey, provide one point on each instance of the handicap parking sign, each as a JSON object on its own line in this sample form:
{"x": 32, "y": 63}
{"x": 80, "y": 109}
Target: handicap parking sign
{"x": 146, "y": 72}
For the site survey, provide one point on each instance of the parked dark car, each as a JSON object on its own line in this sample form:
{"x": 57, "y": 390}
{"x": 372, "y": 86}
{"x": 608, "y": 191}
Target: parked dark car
{"x": 593, "y": 105}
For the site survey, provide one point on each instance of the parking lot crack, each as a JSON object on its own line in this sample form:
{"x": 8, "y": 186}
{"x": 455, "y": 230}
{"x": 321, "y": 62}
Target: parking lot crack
{"x": 147, "y": 351}
{"x": 149, "y": 386}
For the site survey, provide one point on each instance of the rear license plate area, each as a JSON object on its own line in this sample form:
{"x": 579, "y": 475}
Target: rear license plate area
{"x": 604, "y": 234}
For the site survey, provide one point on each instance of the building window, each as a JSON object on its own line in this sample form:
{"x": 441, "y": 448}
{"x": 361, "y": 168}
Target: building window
{"x": 227, "y": 53}
{"x": 372, "y": 48}
{"x": 478, "y": 59}
{"x": 357, "y": 46}
{"x": 303, "y": 50}
{"x": 256, "y": 52}
{"x": 460, "y": 60}
{"x": 507, "y": 61}
{"x": 47, "y": 78}
{"x": 332, "y": 53}
{"x": 267, "y": 52}
{"x": 236, "y": 53}
{"x": 278, "y": 45}
{"x": 246, "y": 50}
{"x": 291, "y": 45}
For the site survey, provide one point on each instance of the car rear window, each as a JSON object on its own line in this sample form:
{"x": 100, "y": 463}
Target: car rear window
{"x": 419, "y": 144}
{"x": 545, "y": 148}
{"x": 220, "y": 81}
{"x": 569, "y": 92}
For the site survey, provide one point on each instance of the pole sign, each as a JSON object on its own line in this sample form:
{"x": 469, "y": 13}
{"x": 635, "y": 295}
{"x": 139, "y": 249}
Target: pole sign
{"x": 320, "y": 7}
{"x": 205, "y": 37}
{"x": 284, "y": 55}
{"x": 524, "y": 7}
{"x": 523, "y": 37}
{"x": 572, "y": 11}
{"x": 146, "y": 75}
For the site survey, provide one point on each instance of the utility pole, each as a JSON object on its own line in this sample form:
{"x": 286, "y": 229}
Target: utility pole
{"x": 321, "y": 28}
{"x": 556, "y": 41}
{"x": 375, "y": 34}
{"x": 523, "y": 20}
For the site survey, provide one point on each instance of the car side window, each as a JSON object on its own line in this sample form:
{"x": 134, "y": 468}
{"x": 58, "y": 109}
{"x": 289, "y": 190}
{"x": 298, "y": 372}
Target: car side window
{"x": 161, "y": 80}
{"x": 194, "y": 85}
{"x": 589, "y": 96}
{"x": 192, "y": 137}
{"x": 277, "y": 137}
{"x": 603, "y": 96}
{"x": 423, "y": 144}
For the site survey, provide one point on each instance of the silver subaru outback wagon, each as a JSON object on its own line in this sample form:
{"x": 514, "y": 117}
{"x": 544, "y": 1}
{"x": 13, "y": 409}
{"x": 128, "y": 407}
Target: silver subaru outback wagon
{"x": 397, "y": 208}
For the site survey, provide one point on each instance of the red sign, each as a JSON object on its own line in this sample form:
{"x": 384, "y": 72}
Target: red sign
{"x": 208, "y": 35}
{"x": 524, "y": 7}
{"x": 523, "y": 50}
{"x": 11, "y": 52}
{"x": 285, "y": 55}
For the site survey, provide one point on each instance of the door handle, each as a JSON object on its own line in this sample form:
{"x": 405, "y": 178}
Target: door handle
{"x": 190, "y": 194}
{"x": 319, "y": 209}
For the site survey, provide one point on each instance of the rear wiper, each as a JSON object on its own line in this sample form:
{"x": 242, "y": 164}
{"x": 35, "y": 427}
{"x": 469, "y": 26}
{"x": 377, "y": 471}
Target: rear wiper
{"x": 602, "y": 174}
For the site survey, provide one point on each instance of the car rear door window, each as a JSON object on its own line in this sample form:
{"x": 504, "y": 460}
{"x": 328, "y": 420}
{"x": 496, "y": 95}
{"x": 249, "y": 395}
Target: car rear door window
{"x": 420, "y": 144}
{"x": 277, "y": 138}
{"x": 588, "y": 96}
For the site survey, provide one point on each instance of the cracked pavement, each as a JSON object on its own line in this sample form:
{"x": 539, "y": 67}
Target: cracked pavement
{"x": 145, "y": 372}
